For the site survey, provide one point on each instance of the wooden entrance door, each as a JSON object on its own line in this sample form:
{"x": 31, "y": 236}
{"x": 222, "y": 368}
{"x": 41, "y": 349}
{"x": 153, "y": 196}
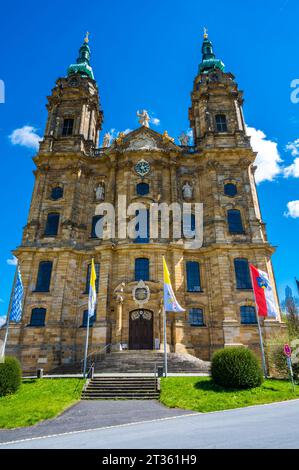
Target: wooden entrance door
{"x": 141, "y": 329}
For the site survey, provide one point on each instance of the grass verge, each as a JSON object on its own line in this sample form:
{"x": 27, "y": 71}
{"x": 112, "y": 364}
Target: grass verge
{"x": 37, "y": 400}
{"x": 201, "y": 394}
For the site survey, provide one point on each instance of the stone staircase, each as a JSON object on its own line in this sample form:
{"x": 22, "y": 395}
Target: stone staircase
{"x": 121, "y": 388}
{"x": 130, "y": 362}
{"x": 139, "y": 362}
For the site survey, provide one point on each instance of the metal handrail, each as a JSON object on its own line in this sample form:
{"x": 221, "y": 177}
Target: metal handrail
{"x": 93, "y": 357}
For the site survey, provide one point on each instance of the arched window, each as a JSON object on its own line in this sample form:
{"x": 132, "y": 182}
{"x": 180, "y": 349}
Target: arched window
{"x": 68, "y": 125}
{"x": 234, "y": 221}
{"x": 97, "y": 268}
{"x": 248, "y": 315}
{"x": 242, "y": 272}
{"x": 230, "y": 190}
{"x": 196, "y": 317}
{"x": 56, "y": 193}
{"x": 96, "y": 230}
{"x": 52, "y": 224}
{"x": 142, "y": 189}
{"x": 91, "y": 319}
{"x": 221, "y": 123}
{"x": 38, "y": 316}
{"x": 141, "y": 269}
{"x": 193, "y": 276}
{"x": 143, "y": 227}
{"x": 44, "y": 276}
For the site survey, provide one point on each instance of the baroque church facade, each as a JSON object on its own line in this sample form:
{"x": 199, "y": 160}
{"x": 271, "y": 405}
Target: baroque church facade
{"x": 74, "y": 174}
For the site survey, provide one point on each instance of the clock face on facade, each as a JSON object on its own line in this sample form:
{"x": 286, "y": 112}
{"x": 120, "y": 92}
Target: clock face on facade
{"x": 142, "y": 168}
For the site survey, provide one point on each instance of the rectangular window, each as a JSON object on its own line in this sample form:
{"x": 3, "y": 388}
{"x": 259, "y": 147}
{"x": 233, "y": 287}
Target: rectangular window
{"x": 193, "y": 276}
{"x": 44, "y": 276}
{"x": 248, "y": 315}
{"x": 144, "y": 229}
{"x": 91, "y": 320}
{"x": 196, "y": 317}
{"x": 234, "y": 221}
{"x": 52, "y": 225}
{"x": 242, "y": 272}
{"x": 141, "y": 269}
{"x": 96, "y": 229}
{"x": 68, "y": 125}
{"x": 97, "y": 268}
{"x": 221, "y": 123}
{"x": 38, "y": 316}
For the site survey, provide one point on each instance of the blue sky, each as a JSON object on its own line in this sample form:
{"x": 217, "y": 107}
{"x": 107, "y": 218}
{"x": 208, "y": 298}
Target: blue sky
{"x": 145, "y": 54}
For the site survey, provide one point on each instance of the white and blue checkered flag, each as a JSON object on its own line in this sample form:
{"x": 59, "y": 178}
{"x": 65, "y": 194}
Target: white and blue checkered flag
{"x": 17, "y": 300}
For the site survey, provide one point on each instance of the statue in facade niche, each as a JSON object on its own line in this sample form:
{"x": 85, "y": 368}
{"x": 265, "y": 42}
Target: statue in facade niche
{"x": 144, "y": 118}
{"x": 184, "y": 139}
{"x": 100, "y": 192}
{"x": 187, "y": 191}
{"x": 107, "y": 140}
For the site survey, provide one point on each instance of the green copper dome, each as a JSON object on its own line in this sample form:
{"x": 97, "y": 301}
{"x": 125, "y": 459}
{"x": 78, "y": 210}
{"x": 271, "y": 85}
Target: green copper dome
{"x": 82, "y": 65}
{"x": 209, "y": 61}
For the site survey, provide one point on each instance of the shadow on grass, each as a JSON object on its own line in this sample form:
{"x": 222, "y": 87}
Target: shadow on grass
{"x": 210, "y": 386}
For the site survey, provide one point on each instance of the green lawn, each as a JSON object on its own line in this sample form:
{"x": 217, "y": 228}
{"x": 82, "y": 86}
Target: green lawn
{"x": 201, "y": 394}
{"x": 37, "y": 400}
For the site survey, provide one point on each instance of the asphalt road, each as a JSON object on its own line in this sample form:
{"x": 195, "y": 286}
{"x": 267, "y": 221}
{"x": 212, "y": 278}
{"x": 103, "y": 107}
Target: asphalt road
{"x": 273, "y": 426}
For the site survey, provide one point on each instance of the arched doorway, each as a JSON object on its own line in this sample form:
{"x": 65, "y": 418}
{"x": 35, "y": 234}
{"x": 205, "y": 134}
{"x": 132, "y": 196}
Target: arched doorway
{"x": 141, "y": 335}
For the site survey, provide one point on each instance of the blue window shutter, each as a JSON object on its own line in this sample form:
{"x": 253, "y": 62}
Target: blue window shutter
{"x": 44, "y": 276}
{"x": 230, "y": 190}
{"x": 97, "y": 268}
{"x": 193, "y": 276}
{"x": 145, "y": 220}
{"x": 141, "y": 269}
{"x": 248, "y": 315}
{"x": 38, "y": 316}
{"x": 196, "y": 317}
{"x": 57, "y": 193}
{"x": 91, "y": 320}
{"x": 52, "y": 224}
{"x": 234, "y": 220}
{"x": 242, "y": 274}
{"x": 142, "y": 189}
{"x": 95, "y": 220}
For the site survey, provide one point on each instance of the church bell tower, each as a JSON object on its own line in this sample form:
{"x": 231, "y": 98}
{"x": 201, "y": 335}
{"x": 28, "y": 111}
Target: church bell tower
{"x": 216, "y": 115}
{"x": 74, "y": 114}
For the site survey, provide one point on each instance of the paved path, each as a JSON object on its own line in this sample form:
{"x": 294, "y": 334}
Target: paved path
{"x": 266, "y": 427}
{"x": 94, "y": 414}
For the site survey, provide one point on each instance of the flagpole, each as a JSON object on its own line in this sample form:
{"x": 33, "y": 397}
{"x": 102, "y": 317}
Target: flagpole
{"x": 165, "y": 341}
{"x": 86, "y": 347}
{"x": 259, "y": 329}
{"x": 9, "y": 309}
{"x": 262, "y": 347}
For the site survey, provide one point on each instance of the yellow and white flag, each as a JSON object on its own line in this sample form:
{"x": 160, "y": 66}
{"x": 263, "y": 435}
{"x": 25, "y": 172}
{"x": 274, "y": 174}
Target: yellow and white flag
{"x": 170, "y": 302}
{"x": 92, "y": 298}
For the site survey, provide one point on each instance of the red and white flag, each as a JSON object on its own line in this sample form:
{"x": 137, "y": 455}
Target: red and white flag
{"x": 263, "y": 293}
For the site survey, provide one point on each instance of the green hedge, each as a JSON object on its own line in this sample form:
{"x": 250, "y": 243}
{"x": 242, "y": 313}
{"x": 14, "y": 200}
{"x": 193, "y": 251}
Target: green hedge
{"x": 236, "y": 367}
{"x": 10, "y": 376}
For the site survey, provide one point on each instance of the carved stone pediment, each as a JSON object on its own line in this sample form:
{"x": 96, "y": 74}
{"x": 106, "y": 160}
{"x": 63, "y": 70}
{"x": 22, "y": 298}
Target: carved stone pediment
{"x": 143, "y": 142}
{"x": 145, "y": 139}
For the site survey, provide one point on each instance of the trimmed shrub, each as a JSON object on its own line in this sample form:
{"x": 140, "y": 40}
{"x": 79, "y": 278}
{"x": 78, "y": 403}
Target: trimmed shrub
{"x": 10, "y": 376}
{"x": 236, "y": 367}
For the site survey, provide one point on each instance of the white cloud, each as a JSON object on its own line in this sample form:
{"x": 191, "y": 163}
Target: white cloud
{"x": 2, "y": 320}
{"x": 12, "y": 262}
{"x": 293, "y": 209}
{"x": 292, "y": 170}
{"x": 293, "y": 147}
{"x": 268, "y": 158}
{"x": 155, "y": 121}
{"x": 25, "y": 136}
{"x": 126, "y": 131}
